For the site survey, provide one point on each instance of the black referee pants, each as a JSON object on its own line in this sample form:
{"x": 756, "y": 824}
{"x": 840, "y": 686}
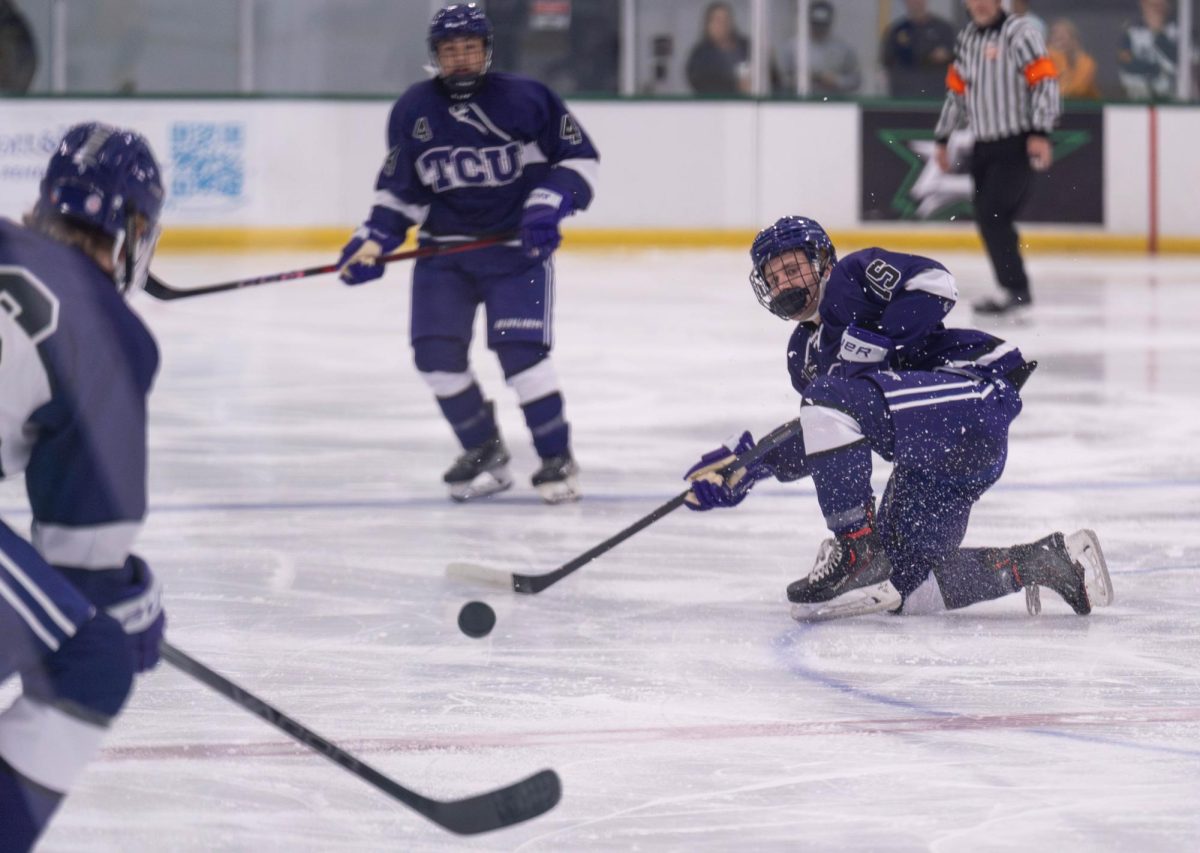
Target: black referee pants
{"x": 1003, "y": 179}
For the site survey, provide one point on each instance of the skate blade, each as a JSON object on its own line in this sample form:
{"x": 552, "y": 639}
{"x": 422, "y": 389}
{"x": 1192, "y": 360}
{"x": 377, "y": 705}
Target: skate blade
{"x": 1084, "y": 548}
{"x": 563, "y": 491}
{"x": 1033, "y": 599}
{"x": 484, "y": 485}
{"x": 856, "y": 602}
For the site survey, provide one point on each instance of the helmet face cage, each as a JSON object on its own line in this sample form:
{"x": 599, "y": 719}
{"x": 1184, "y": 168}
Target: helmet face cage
{"x": 107, "y": 180}
{"x": 462, "y": 20}
{"x": 806, "y": 238}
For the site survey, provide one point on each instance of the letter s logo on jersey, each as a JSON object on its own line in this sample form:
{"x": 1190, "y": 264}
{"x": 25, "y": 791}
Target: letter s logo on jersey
{"x": 447, "y": 168}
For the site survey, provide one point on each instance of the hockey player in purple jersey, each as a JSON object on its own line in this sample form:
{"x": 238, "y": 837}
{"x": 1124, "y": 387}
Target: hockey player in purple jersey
{"x": 474, "y": 153}
{"x": 878, "y": 371}
{"x": 79, "y": 614}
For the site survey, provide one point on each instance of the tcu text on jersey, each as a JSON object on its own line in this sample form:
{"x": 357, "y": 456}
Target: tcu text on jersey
{"x": 445, "y": 168}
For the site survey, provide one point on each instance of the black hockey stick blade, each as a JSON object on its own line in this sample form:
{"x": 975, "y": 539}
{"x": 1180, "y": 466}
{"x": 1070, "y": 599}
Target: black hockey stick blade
{"x": 533, "y": 584}
{"x": 497, "y": 809}
{"x": 159, "y": 289}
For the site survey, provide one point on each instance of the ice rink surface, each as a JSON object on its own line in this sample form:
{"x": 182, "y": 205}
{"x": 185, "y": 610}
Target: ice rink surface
{"x": 299, "y": 522}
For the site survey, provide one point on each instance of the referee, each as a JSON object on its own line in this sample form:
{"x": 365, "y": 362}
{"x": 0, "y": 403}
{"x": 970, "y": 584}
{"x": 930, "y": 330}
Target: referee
{"x": 1002, "y": 86}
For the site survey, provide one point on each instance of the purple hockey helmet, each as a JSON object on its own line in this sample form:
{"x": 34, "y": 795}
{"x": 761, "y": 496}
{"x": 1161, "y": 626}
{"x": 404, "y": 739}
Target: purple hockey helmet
{"x": 461, "y": 20}
{"x": 791, "y": 234}
{"x": 104, "y": 178}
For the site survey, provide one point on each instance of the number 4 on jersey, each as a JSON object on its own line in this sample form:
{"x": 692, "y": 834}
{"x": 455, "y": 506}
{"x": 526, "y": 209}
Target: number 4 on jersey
{"x": 570, "y": 131}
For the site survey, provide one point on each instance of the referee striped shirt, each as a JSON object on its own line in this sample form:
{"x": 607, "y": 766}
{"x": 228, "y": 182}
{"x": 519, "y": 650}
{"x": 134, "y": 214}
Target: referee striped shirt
{"x": 1001, "y": 83}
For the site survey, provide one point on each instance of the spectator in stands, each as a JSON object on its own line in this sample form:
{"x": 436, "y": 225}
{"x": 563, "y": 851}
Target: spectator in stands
{"x": 916, "y": 52}
{"x": 832, "y": 63}
{"x": 1148, "y": 59}
{"x": 18, "y": 56}
{"x": 719, "y": 63}
{"x": 1023, "y": 8}
{"x": 1076, "y": 68}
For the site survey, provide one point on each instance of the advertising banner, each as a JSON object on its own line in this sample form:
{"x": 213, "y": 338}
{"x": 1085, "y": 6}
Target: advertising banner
{"x": 900, "y": 181}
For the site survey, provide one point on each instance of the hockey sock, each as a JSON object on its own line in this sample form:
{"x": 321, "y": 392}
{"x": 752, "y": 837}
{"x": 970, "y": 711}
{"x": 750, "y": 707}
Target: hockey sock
{"x": 551, "y": 433}
{"x": 843, "y": 481}
{"x": 25, "y": 809}
{"x": 530, "y": 373}
{"x": 977, "y": 574}
{"x": 469, "y": 415}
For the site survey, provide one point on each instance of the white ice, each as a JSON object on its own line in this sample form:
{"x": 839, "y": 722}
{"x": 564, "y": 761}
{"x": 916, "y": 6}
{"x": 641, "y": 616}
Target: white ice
{"x": 299, "y": 522}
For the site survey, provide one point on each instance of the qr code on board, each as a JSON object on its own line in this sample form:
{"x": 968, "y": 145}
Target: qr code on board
{"x": 208, "y": 159}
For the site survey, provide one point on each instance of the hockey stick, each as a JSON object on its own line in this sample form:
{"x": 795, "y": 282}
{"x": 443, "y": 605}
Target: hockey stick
{"x": 533, "y": 584}
{"x": 159, "y": 289}
{"x": 482, "y": 813}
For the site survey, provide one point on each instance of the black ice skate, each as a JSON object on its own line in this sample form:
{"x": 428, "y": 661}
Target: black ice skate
{"x": 851, "y": 578}
{"x": 557, "y": 481}
{"x": 480, "y": 471}
{"x": 1073, "y": 566}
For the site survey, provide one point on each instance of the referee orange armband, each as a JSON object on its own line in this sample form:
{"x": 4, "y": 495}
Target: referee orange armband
{"x": 955, "y": 82}
{"x": 1039, "y": 70}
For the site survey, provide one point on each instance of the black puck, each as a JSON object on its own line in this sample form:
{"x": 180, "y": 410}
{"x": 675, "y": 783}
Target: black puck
{"x": 476, "y": 619}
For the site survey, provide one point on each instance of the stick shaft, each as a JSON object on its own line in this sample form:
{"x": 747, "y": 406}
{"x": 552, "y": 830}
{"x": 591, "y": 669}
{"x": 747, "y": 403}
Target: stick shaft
{"x": 160, "y": 290}
{"x": 491, "y": 810}
{"x": 533, "y": 584}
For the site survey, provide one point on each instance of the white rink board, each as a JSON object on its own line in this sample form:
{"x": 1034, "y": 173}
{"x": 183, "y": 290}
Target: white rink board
{"x": 664, "y": 165}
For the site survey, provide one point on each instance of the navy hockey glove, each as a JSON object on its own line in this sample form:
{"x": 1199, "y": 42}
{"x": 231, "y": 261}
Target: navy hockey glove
{"x": 138, "y": 607}
{"x": 711, "y": 488}
{"x": 862, "y": 351}
{"x": 544, "y": 209}
{"x": 358, "y": 263}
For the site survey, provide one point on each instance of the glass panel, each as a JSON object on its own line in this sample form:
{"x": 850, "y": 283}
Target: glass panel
{"x": 23, "y": 47}
{"x": 673, "y": 56}
{"x": 573, "y": 46}
{"x": 325, "y": 46}
{"x": 843, "y": 40}
{"x": 915, "y": 48}
{"x": 151, "y": 46}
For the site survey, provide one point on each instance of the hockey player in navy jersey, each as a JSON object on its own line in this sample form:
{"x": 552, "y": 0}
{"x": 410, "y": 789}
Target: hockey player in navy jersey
{"x": 473, "y": 153}
{"x": 878, "y": 371}
{"x": 79, "y": 614}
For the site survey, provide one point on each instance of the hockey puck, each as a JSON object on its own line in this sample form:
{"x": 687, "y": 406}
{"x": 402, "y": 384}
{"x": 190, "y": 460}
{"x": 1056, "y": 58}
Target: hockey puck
{"x": 476, "y": 619}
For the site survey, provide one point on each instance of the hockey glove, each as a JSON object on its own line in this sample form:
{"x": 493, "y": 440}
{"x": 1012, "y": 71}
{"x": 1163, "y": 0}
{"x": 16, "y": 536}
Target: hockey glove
{"x": 862, "y": 351}
{"x": 359, "y": 262}
{"x": 544, "y": 209}
{"x": 713, "y": 487}
{"x": 139, "y": 609}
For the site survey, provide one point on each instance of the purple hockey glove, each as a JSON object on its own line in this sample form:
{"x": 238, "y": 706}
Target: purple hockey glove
{"x": 544, "y": 209}
{"x": 138, "y": 607}
{"x": 358, "y": 263}
{"x": 712, "y": 488}
{"x": 863, "y": 351}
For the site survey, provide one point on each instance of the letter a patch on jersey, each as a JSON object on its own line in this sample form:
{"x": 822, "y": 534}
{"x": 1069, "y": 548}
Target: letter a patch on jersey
{"x": 421, "y": 130}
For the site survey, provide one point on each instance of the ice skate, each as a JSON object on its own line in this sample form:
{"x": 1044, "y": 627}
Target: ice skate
{"x": 1073, "y": 566}
{"x": 479, "y": 471}
{"x": 851, "y": 577}
{"x": 557, "y": 481}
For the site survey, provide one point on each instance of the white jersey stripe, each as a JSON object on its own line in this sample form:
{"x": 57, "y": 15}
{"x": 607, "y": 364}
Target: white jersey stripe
{"x": 38, "y": 594}
{"x": 931, "y": 389}
{"x": 585, "y": 167}
{"x": 14, "y": 600}
{"x": 915, "y": 404}
{"x": 416, "y": 212}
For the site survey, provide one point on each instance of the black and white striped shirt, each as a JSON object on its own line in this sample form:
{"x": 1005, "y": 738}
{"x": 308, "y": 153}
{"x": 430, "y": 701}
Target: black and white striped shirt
{"x": 1001, "y": 83}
